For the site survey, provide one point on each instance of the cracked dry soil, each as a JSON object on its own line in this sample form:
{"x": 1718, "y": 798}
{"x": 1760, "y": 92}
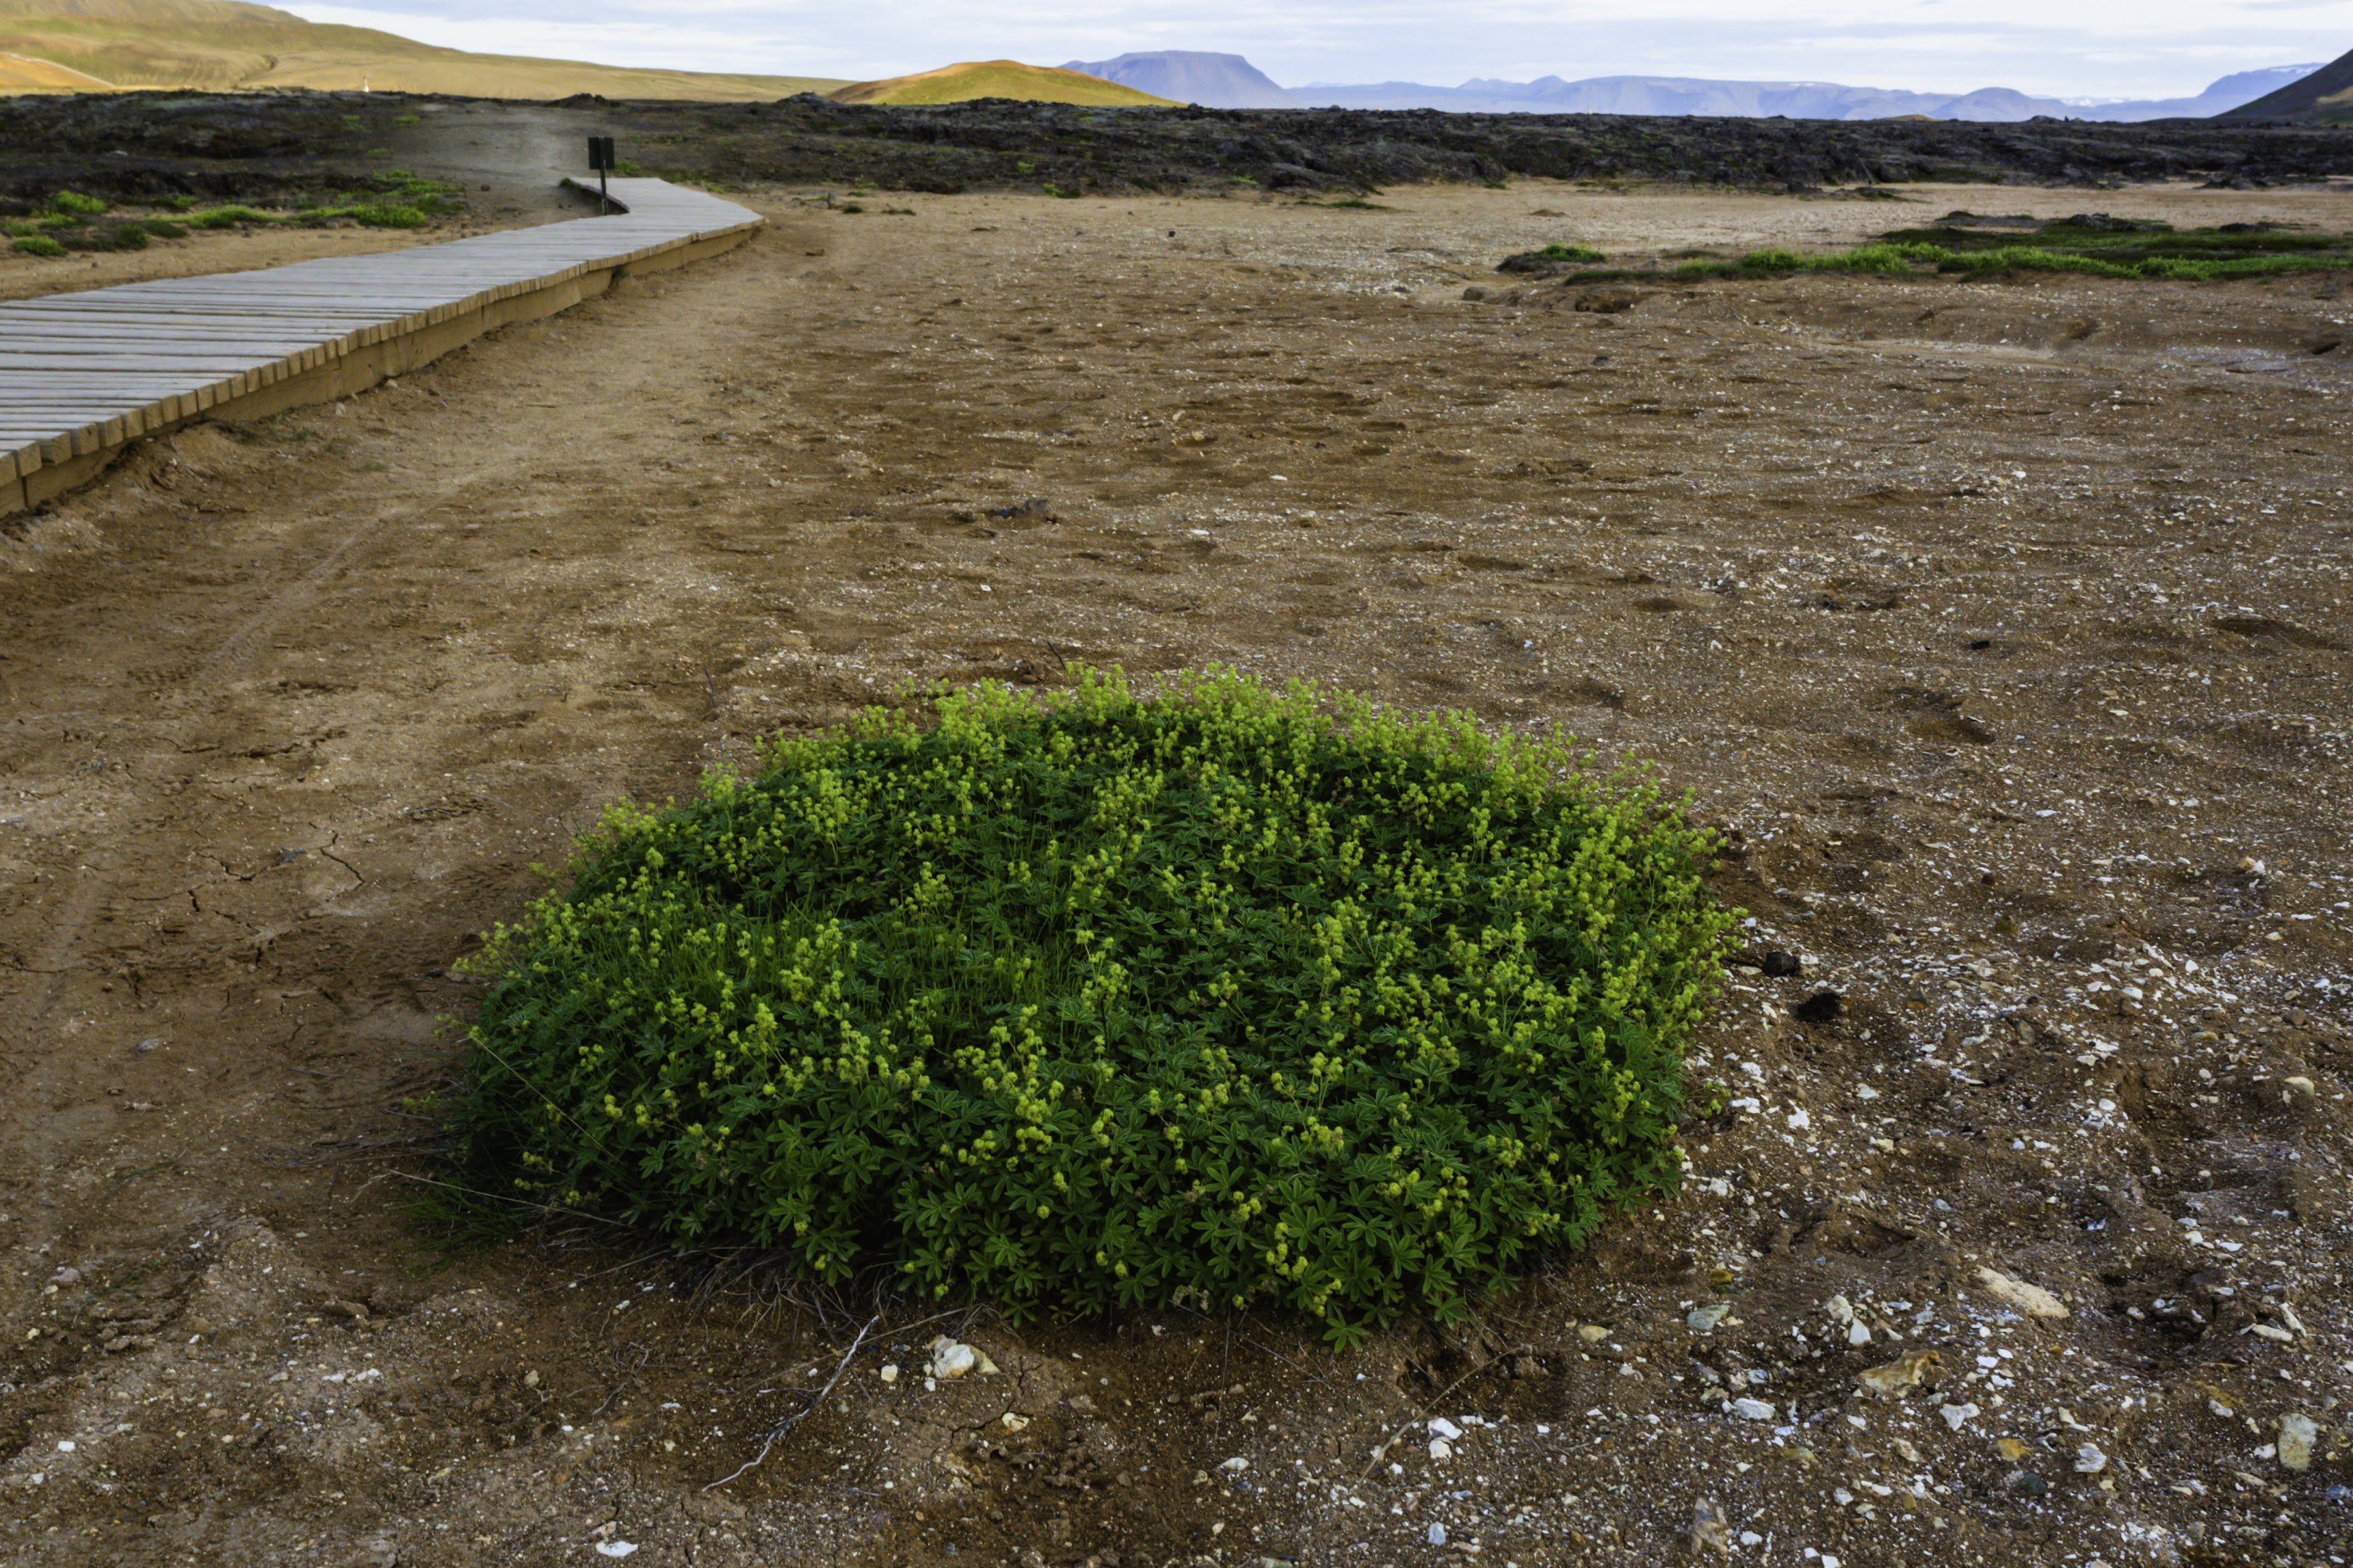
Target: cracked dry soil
{"x": 1999, "y": 627}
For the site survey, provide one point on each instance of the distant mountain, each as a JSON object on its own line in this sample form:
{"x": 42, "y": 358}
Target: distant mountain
{"x": 1684, "y": 95}
{"x": 1192, "y": 76}
{"x": 2221, "y": 97}
{"x": 995, "y": 79}
{"x": 2324, "y": 98}
{"x": 1797, "y": 100}
{"x": 96, "y": 46}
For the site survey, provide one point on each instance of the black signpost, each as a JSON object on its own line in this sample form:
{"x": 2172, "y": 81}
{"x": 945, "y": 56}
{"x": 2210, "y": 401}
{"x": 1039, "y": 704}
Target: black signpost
{"x": 600, "y": 158}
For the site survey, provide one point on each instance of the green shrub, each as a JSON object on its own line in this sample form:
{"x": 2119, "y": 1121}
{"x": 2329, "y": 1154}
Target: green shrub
{"x": 1088, "y": 1000}
{"x": 1551, "y": 258}
{"x": 382, "y": 214}
{"x": 76, "y": 203}
{"x": 113, "y": 237}
{"x": 38, "y": 245}
{"x": 228, "y": 217}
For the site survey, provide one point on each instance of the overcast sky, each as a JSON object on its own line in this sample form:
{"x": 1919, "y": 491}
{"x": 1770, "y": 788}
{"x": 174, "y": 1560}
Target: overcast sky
{"x": 2109, "y": 48}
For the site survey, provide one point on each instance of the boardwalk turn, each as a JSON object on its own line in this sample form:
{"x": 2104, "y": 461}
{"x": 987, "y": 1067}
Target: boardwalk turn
{"x": 82, "y": 373}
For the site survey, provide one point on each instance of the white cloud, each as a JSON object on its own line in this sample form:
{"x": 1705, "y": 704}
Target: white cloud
{"x": 2066, "y": 47}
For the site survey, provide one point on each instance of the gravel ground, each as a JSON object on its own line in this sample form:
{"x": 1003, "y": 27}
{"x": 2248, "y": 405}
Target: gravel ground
{"x": 1998, "y": 625}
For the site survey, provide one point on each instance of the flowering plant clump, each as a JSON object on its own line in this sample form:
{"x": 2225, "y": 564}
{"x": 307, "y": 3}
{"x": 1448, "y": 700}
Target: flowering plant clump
{"x": 1222, "y": 994}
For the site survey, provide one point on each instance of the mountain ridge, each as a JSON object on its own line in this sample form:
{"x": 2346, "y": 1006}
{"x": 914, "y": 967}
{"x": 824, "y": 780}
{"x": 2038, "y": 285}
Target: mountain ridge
{"x": 1192, "y": 76}
{"x": 969, "y": 80}
{"x": 2323, "y": 97}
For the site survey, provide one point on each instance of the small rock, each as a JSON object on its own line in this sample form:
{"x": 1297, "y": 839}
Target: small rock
{"x": 1440, "y": 1449}
{"x": 1439, "y": 1427}
{"x": 1437, "y": 1536}
{"x": 1705, "y": 1318}
{"x": 2026, "y": 1483}
{"x": 1906, "y": 1371}
{"x": 149, "y": 1044}
{"x": 1592, "y": 1333}
{"x": 1958, "y": 1415}
{"x": 531, "y": 1379}
{"x": 1236, "y": 1464}
{"x": 1821, "y": 1008}
{"x": 1013, "y": 1422}
{"x": 1753, "y": 1409}
{"x": 2089, "y": 1460}
{"x": 891, "y": 1372}
{"x": 2031, "y": 1300}
{"x": 1840, "y": 1308}
{"x": 1857, "y": 1334}
{"x": 615, "y": 1548}
{"x": 951, "y": 1359}
{"x": 1781, "y": 965}
{"x": 2297, "y": 1434}
{"x": 1709, "y": 1529}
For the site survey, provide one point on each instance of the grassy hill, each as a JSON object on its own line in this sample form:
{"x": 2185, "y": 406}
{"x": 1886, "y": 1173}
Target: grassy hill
{"x": 90, "y": 46}
{"x": 995, "y": 79}
{"x": 2324, "y": 98}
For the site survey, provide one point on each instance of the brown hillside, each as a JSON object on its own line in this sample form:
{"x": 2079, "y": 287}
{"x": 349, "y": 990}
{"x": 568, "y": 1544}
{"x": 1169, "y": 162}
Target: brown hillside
{"x": 970, "y": 79}
{"x": 220, "y": 44}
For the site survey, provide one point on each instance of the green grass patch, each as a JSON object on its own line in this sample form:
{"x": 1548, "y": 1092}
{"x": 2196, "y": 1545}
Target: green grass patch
{"x": 1220, "y": 996}
{"x": 106, "y": 236}
{"x": 2090, "y": 244}
{"x": 37, "y": 244}
{"x": 228, "y": 217}
{"x": 1552, "y": 258}
{"x": 380, "y": 215}
{"x": 74, "y": 202}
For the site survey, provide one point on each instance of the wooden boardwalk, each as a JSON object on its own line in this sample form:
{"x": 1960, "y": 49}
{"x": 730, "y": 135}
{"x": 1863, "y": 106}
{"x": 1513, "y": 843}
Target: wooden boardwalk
{"x": 81, "y": 375}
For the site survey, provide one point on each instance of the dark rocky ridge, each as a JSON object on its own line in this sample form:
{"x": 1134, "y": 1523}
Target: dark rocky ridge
{"x": 207, "y": 143}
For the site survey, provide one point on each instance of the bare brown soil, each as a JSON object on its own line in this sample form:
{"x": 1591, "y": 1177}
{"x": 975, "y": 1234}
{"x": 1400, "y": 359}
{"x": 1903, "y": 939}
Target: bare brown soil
{"x": 2000, "y": 625}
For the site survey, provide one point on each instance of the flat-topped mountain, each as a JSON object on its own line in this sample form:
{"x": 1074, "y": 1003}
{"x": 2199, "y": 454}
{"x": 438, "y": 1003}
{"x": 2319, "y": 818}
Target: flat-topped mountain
{"x": 1193, "y": 76}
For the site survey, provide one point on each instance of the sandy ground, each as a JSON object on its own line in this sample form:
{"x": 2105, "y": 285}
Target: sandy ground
{"x": 2000, "y": 625}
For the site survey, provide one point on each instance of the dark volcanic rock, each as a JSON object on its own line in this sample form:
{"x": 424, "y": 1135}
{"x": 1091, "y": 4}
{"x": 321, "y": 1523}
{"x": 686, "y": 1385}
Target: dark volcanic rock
{"x": 159, "y": 137}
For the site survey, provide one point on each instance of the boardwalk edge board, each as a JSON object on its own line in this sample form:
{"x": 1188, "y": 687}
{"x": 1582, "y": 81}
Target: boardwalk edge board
{"x": 83, "y": 374}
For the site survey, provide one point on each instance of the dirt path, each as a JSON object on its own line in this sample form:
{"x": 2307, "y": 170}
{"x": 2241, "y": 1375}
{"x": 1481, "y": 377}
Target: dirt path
{"x": 2001, "y": 625}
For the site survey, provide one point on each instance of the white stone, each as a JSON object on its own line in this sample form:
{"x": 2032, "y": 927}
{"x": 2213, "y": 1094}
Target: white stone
{"x": 2298, "y": 1433}
{"x": 2031, "y": 1300}
{"x": 891, "y": 1372}
{"x": 615, "y": 1548}
{"x": 1440, "y": 1449}
{"x": 1753, "y": 1409}
{"x": 1857, "y": 1334}
{"x": 1437, "y": 1533}
{"x": 1957, "y": 1416}
{"x": 1439, "y": 1427}
{"x": 2089, "y": 1460}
